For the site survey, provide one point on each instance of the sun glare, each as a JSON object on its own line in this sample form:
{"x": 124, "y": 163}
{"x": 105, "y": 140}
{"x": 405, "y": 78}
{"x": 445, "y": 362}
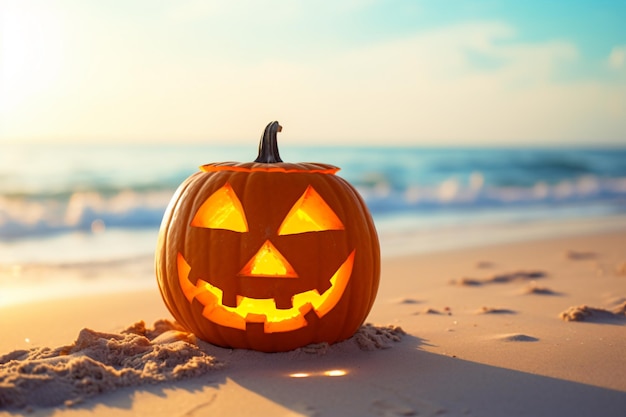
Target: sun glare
{"x": 31, "y": 54}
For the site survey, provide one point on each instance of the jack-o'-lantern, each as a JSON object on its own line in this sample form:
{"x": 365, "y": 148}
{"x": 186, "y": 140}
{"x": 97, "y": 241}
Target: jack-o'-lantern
{"x": 268, "y": 255}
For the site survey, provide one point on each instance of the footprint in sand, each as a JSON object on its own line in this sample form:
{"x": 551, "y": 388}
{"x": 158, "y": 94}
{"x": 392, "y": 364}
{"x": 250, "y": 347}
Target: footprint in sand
{"x": 500, "y": 278}
{"x": 516, "y": 337}
{"x": 407, "y": 301}
{"x": 494, "y": 310}
{"x": 434, "y": 311}
{"x": 534, "y": 288}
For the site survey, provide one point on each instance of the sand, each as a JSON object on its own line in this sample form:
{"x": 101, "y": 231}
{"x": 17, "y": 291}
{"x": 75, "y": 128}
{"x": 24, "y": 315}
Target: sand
{"x": 529, "y": 328}
{"x": 100, "y": 362}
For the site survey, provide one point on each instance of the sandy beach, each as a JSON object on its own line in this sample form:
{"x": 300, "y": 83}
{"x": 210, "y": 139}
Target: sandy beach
{"x": 526, "y": 328}
{"x": 406, "y": 208}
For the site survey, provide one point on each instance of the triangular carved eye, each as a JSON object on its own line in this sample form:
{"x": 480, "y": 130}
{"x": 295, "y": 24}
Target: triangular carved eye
{"x": 310, "y": 214}
{"x": 222, "y": 210}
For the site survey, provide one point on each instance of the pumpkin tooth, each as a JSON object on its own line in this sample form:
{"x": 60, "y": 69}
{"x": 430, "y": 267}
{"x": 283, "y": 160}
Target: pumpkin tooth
{"x": 229, "y": 299}
{"x": 283, "y": 302}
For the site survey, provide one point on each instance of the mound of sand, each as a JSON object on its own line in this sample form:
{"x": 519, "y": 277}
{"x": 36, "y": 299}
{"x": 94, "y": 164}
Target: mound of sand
{"x": 586, "y": 313}
{"x": 100, "y": 362}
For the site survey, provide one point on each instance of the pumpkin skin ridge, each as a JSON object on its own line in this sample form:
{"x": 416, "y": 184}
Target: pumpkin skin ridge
{"x": 175, "y": 233}
{"x": 375, "y": 247}
{"x": 186, "y": 315}
{"x": 161, "y": 257}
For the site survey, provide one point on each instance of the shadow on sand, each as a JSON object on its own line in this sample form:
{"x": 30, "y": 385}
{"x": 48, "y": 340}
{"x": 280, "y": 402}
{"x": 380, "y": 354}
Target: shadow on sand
{"x": 402, "y": 381}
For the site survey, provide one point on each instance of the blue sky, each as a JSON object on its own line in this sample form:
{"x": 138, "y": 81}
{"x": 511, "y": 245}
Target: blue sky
{"x": 342, "y": 71}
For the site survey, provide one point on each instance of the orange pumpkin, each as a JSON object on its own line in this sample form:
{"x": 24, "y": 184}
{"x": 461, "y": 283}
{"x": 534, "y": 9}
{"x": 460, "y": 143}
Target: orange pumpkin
{"x": 268, "y": 255}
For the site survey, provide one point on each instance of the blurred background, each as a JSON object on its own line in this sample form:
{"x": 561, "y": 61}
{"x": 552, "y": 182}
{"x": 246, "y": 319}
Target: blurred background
{"x": 459, "y": 122}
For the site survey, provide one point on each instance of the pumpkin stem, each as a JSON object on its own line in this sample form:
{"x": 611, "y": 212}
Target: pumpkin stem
{"x": 268, "y": 146}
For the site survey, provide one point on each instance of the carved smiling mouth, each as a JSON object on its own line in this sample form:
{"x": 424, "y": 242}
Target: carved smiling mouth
{"x": 264, "y": 310}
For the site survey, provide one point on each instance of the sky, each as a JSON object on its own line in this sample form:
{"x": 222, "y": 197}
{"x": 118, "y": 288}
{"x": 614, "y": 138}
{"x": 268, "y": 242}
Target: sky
{"x": 356, "y": 72}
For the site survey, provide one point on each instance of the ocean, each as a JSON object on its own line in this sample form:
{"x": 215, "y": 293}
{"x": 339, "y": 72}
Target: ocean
{"x": 83, "y": 203}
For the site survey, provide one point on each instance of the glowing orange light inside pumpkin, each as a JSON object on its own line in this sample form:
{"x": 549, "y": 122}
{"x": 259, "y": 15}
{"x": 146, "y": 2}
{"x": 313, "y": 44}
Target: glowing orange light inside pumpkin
{"x": 252, "y": 310}
{"x": 222, "y": 210}
{"x": 310, "y": 214}
{"x": 269, "y": 262}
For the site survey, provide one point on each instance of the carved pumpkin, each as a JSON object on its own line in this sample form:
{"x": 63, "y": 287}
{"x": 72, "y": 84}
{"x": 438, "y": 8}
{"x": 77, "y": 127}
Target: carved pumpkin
{"x": 268, "y": 255}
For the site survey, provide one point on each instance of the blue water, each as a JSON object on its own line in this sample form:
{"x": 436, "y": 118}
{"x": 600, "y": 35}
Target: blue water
{"x": 99, "y": 201}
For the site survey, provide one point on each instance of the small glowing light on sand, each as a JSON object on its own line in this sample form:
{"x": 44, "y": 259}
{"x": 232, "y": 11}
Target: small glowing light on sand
{"x": 299, "y": 375}
{"x": 27, "y": 340}
{"x": 335, "y": 372}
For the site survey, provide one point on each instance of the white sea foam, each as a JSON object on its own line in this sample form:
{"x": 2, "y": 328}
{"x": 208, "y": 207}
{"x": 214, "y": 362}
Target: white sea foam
{"x": 55, "y": 198}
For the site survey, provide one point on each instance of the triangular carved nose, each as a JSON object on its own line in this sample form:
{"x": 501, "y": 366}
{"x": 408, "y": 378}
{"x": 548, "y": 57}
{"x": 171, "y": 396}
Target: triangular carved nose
{"x": 268, "y": 262}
